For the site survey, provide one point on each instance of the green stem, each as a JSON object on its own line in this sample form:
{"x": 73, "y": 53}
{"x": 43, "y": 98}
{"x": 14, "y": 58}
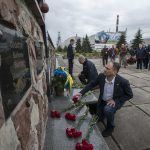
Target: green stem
{"x": 91, "y": 126}
{"x": 82, "y": 118}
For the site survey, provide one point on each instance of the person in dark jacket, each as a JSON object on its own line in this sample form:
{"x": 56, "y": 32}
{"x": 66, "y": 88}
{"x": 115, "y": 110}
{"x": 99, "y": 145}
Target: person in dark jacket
{"x": 105, "y": 54}
{"x": 70, "y": 56}
{"x": 145, "y": 59}
{"x": 89, "y": 72}
{"x": 139, "y": 56}
{"x": 114, "y": 91}
{"x": 148, "y": 51}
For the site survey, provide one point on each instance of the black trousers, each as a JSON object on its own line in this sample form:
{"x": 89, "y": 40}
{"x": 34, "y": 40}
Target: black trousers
{"x": 145, "y": 62}
{"x": 139, "y": 63}
{"x": 105, "y": 60}
{"x": 83, "y": 78}
{"x": 70, "y": 62}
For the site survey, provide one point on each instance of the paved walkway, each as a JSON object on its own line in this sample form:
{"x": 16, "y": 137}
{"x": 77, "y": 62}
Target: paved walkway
{"x": 132, "y": 130}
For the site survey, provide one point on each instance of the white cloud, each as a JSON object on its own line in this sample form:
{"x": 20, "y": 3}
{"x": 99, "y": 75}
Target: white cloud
{"x": 81, "y": 17}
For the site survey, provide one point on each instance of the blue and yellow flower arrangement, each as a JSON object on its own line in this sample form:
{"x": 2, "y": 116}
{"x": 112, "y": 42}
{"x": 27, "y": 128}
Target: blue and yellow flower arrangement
{"x": 62, "y": 79}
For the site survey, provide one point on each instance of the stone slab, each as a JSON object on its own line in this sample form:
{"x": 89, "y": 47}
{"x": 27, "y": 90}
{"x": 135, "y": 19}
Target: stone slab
{"x": 146, "y": 89}
{"x": 56, "y": 138}
{"x": 145, "y": 108}
{"x": 141, "y": 75}
{"x": 148, "y": 78}
{"x": 110, "y": 142}
{"x": 140, "y": 96}
{"x": 132, "y": 130}
{"x": 138, "y": 82}
{"x": 127, "y": 103}
{"x": 89, "y": 99}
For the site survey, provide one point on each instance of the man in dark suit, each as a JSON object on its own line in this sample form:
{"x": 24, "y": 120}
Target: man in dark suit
{"x": 114, "y": 91}
{"x": 105, "y": 54}
{"x": 89, "y": 71}
{"x": 70, "y": 56}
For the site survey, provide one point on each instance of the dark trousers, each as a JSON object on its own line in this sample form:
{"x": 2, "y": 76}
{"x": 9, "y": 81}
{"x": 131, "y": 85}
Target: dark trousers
{"x": 70, "y": 62}
{"x": 83, "y": 78}
{"x": 145, "y": 62}
{"x": 139, "y": 63}
{"x": 104, "y": 110}
{"x": 105, "y": 60}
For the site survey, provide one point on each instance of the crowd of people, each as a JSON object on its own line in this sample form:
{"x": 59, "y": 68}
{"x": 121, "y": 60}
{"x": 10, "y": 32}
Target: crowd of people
{"x": 140, "y": 55}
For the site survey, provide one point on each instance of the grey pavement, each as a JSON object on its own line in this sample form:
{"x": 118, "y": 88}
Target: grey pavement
{"x": 132, "y": 130}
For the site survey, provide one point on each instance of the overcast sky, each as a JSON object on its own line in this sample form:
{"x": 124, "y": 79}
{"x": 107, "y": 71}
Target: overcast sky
{"x": 81, "y": 17}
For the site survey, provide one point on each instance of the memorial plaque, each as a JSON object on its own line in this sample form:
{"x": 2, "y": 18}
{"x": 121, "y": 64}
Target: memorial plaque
{"x": 15, "y": 76}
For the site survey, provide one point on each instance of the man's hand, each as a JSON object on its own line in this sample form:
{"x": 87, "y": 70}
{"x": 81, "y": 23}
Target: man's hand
{"x": 111, "y": 102}
{"x": 77, "y": 96}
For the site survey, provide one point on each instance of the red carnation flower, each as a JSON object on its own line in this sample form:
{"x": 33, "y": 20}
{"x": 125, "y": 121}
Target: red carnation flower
{"x": 84, "y": 145}
{"x": 75, "y": 99}
{"x": 70, "y": 116}
{"x": 73, "y": 133}
{"x": 55, "y": 114}
{"x": 77, "y": 134}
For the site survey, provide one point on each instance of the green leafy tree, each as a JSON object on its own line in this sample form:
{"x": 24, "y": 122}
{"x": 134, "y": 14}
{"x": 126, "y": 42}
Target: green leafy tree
{"x": 137, "y": 40}
{"x": 86, "y": 46}
{"x": 65, "y": 49}
{"x": 122, "y": 40}
{"x": 78, "y": 46}
{"x": 59, "y": 49}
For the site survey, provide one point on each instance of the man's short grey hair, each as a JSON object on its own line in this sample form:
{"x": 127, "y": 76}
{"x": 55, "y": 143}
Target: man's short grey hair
{"x": 81, "y": 57}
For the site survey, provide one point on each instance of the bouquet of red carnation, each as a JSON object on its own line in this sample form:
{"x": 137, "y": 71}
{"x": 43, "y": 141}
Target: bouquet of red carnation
{"x": 73, "y": 133}
{"x": 131, "y": 60}
{"x": 70, "y": 116}
{"x": 84, "y": 145}
{"x": 55, "y": 114}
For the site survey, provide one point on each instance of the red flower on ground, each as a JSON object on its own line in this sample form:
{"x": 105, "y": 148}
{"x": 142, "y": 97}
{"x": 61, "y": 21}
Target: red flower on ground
{"x": 55, "y": 114}
{"x": 73, "y": 133}
{"x": 84, "y": 145}
{"x": 70, "y": 116}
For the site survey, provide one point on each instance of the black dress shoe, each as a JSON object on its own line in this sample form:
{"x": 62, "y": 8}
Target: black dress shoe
{"x": 107, "y": 132}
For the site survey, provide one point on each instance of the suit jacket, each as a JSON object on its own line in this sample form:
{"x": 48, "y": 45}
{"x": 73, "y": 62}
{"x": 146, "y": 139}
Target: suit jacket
{"x": 70, "y": 53}
{"x": 122, "y": 89}
{"x": 89, "y": 70}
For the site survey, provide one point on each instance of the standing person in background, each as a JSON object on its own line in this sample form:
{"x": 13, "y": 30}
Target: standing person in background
{"x": 148, "y": 51}
{"x": 112, "y": 53}
{"x": 70, "y": 56}
{"x": 145, "y": 58}
{"x": 105, "y": 54}
{"x": 140, "y": 56}
{"x": 123, "y": 53}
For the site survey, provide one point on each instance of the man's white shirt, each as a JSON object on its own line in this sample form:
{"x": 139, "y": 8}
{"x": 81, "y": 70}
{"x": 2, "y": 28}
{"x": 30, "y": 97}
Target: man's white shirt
{"x": 108, "y": 89}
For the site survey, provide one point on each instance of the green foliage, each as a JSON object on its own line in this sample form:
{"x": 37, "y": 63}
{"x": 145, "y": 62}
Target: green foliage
{"x": 78, "y": 46}
{"x": 65, "y": 49}
{"x": 137, "y": 40}
{"x": 58, "y": 82}
{"x": 122, "y": 40}
{"x": 86, "y": 46}
{"x": 59, "y": 49}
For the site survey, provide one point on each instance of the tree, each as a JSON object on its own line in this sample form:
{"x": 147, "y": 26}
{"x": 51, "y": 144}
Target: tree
{"x": 59, "y": 49}
{"x": 78, "y": 46}
{"x": 122, "y": 40}
{"x": 86, "y": 46}
{"x": 137, "y": 40}
{"x": 65, "y": 49}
